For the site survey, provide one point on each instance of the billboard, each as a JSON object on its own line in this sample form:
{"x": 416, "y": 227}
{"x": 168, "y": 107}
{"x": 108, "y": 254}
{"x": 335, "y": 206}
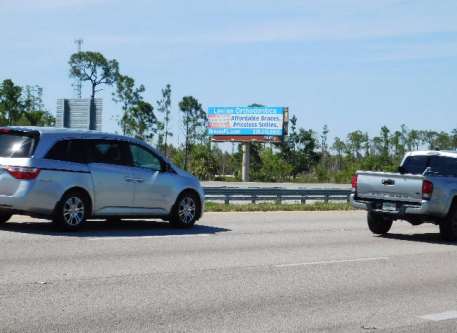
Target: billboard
{"x": 247, "y": 123}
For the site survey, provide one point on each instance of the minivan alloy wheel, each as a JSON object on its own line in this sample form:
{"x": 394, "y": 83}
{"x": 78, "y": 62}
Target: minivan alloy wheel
{"x": 73, "y": 211}
{"x": 187, "y": 209}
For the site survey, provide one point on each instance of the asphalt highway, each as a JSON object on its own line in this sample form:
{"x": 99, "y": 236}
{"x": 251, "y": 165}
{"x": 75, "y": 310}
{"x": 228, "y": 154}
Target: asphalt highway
{"x": 234, "y": 272}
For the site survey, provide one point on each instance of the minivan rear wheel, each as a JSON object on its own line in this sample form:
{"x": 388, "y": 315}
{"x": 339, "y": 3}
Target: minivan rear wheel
{"x": 4, "y": 217}
{"x": 185, "y": 211}
{"x": 71, "y": 212}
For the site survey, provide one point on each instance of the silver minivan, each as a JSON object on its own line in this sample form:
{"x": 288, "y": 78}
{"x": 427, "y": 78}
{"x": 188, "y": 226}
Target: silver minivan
{"x": 71, "y": 175}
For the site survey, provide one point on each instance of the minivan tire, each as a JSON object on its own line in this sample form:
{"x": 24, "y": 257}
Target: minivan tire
{"x": 4, "y": 217}
{"x": 185, "y": 211}
{"x": 378, "y": 223}
{"x": 71, "y": 211}
{"x": 448, "y": 226}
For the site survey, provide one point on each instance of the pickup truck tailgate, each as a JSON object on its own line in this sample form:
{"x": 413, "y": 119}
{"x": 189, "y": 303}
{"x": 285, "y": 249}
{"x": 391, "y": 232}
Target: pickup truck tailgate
{"x": 389, "y": 186}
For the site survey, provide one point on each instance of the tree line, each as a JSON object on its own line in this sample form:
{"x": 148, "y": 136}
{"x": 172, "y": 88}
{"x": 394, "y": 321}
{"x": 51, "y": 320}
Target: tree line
{"x": 304, "y": 155}
{"x": 23, "y": 105}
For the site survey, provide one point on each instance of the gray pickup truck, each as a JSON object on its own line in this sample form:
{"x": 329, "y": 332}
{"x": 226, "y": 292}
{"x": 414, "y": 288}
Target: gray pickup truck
{"x": 423, "y": 190}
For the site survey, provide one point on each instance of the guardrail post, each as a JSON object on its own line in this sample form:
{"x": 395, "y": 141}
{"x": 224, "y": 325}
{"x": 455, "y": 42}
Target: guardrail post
{"x": 326, "y": 198}
{"x": 253, "y": 200}
{"x": 227, "y": 199}
{"x": 348, "y": 198}
{"x": 278, "y": 199}
{"x": 303, "y": 200}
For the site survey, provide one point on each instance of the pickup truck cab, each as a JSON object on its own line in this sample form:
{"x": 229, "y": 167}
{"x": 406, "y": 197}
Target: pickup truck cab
{"x": 424, "y": 190}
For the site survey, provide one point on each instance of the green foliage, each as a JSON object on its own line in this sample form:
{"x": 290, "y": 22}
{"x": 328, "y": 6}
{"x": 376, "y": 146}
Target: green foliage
{"x": 164, "y": 107}
{"x": 11, "y": 105}
{"x": 266, "y": 207}
{"x": 141, "y": 121}
{"x": 272, "y": 167}
{"x": 23, "y": 106}
{"x": 203, "y": 163}
{"x": 194, "y": 121}
{"x": 94, "y": 68}
{"x": 299, "y": 149}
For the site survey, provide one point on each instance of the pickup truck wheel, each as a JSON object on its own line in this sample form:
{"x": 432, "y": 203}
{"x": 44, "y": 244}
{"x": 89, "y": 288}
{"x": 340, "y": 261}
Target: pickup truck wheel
{"x": 448, "y": 227}
{"x": 4, "y": 217}
{"x": 378, "y": 224}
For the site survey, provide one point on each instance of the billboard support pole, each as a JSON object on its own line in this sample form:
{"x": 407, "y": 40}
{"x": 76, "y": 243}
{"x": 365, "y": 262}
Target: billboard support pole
{"x": 245, "y": 163}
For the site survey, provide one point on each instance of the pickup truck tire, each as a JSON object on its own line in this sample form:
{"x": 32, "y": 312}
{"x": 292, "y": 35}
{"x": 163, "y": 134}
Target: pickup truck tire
{"x": 378, "y": 224}
{"x": 448, "y": 227}
{"x": 4, "y": 217}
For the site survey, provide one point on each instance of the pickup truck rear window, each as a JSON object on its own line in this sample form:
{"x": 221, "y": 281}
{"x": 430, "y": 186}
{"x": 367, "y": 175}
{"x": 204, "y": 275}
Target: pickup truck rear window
{"x": 415, "y": 165}
{"x": 443, "y": 166}
{"x": 17, "y": 144}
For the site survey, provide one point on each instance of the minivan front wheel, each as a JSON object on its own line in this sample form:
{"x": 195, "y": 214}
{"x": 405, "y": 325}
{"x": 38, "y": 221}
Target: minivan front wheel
{"x": 71, "y": 212}
{"x": 185, "y": 211}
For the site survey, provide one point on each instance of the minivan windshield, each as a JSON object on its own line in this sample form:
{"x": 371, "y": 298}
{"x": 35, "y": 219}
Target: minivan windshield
{"x": 17, "y": 144}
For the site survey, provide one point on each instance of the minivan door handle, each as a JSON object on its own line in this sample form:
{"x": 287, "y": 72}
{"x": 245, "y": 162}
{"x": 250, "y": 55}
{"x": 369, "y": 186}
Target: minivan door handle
{"x": 133, "y": 180}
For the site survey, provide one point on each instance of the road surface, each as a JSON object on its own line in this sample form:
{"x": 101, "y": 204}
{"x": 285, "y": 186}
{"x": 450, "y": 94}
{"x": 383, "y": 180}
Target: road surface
{"x": 235, "y": 272}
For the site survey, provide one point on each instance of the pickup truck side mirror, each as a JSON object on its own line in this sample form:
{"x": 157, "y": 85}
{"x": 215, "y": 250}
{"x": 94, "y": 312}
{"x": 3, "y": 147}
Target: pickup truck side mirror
{"x": 401, "y": 169}
{"x": 167, "y": 168}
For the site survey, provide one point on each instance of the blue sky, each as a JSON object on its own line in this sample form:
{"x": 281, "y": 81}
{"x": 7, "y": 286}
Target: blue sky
{"x": 350, "y": 64}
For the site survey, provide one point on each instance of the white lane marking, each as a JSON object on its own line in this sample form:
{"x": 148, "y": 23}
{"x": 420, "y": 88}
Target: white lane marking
{"x": 327, "y": 262}
{"x": 147, "y": 237}
{"x": 440, "y": 316}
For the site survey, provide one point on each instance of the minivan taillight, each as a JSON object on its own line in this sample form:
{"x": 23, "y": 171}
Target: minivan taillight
{"x": 23, "y": 173}
{"x": 354, "y": 183}
{"x": 427, "y": 189}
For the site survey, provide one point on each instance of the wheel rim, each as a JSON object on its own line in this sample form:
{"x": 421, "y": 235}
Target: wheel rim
{"x": 187, "y": 209}
{"x": 73, "y": 211}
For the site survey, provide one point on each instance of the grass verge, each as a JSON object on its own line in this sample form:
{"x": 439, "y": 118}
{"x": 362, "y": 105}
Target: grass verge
{"x": 269, "y": 207}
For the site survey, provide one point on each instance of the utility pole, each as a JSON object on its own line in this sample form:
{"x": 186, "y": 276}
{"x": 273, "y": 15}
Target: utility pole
{"x": 245, "y": 163}
{"x": 79, "y": 42}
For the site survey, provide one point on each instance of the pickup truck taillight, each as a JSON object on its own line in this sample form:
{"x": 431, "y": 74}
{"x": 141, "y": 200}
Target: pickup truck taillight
{"x": 23, "y": 173}
{"x": 354, "y": 183}
{"x": 427, "y": 189}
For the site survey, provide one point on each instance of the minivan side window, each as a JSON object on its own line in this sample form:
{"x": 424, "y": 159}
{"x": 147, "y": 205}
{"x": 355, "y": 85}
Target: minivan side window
{"x": 143, "y": 158}
{"x": 69, "y": 151}
{"x": 108, "y": 151}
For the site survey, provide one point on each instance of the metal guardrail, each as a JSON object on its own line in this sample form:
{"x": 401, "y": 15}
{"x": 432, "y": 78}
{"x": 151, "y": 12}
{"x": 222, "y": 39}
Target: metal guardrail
{"x": 275, "y": 194}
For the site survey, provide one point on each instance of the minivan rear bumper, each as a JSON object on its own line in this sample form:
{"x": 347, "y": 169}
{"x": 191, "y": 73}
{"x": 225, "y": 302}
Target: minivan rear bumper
{"x": 30, "y": 197}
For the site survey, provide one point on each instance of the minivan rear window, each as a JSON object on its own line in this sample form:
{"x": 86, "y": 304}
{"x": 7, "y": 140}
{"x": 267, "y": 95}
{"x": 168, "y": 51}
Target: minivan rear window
{"x": 17, "y": 144}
